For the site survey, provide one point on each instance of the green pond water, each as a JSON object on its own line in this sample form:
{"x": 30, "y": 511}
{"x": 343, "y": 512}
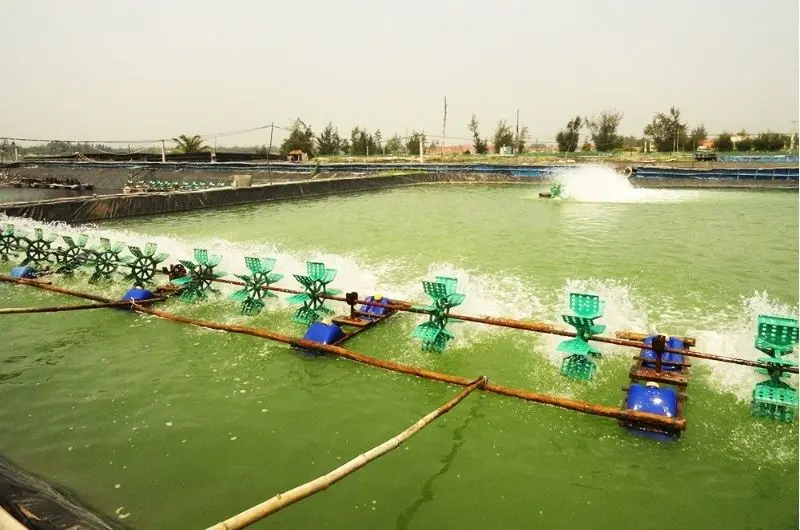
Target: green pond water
{"x": 162, "y": 425}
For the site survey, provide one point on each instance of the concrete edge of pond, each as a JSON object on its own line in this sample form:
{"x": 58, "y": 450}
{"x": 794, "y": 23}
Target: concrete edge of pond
{"x": 116, "y": 206}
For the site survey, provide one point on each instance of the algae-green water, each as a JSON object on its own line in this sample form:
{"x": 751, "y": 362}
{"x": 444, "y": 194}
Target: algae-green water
{"x": 162, "y": 425}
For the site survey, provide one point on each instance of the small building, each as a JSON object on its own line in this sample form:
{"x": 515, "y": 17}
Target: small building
{"x": 297, "y": 155}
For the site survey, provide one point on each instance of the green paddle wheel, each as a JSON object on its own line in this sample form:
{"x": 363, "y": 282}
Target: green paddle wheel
{"x": 73, "y": 256}
{"x": 197, "y": 282}
{"x": 434, "y": 332}
{"x": 106, "y": 259}
{"x": 39, "y": 248}
{"x": 579, "y": 362}
{"x": 316, "y": 287}
{"x": 774, "y": 398}
{"x": 256, "y": 285}
{"x": 143, "y": 265}
{"x": 10, "y": 242}
{"x": 555, "y": 190}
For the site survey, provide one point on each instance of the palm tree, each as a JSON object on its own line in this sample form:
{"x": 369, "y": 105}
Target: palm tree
{"x": 189, "y": 144}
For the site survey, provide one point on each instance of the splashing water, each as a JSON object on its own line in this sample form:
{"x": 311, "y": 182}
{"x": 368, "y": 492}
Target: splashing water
{"x": 603, "y": 184}
{"x": 728, "y": 332}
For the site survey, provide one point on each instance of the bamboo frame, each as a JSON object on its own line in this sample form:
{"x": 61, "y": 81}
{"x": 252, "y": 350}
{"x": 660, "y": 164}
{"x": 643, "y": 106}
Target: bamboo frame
{"x": 565, "y": 403}
{"x": 79, "y": 307}
{"x": 282, "y": 500}
{"x": 634, "y": 335}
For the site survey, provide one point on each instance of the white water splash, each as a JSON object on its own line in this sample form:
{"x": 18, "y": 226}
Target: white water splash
{"x": 735, "y": 337}
{"x": 728, "y": 332}
{"x": 603, "y": 184}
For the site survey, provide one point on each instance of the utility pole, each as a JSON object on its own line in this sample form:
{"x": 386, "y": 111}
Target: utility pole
{"x": 269, "y": 151}
{"x": 163, "y": 153}
{"x": 444, "y": 124}
{"x": 516, "y": 137}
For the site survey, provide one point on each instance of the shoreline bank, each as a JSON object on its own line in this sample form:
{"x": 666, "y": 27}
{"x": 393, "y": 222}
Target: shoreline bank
{"x": 287, "y": 186}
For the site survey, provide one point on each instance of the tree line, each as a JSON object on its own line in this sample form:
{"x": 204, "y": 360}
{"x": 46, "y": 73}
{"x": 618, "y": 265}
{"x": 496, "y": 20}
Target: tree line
{"x": 667, "y": 131}
{"x": 361, "y": 142}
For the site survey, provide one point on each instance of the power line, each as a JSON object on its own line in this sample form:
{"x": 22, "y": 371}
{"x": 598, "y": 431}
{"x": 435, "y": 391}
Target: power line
{"x": 139, "y": 142}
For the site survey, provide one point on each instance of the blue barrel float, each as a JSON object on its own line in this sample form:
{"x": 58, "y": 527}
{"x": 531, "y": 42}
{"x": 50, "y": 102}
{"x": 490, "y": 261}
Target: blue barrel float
{"x": 374, "y": 311}
{"x": 323, "y": 334}
{"x": 23, "y": 272}
{"x": 674, "y": 343}
{"x": 136, "y": 294}
{"x": 653, "y": 399}
{"x": 658, "y": 387}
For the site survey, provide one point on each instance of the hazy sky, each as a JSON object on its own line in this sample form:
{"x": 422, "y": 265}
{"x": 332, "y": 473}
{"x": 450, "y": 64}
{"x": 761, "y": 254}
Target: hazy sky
{"x": 145, "y": 69}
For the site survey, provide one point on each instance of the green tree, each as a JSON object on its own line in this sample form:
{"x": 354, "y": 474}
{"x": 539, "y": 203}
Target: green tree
{"x": 745, "y": 144}
{"x": 723, "y": 142}
{"x": 631, "y": 143}
{"x": 568, "y": 139}
{"x": 667, "y": 131}
{"x": 770, "y": 141}
{"x": 503, "y": 136}
{"x": 604, "y": 130}
{"x": 394, "y": 146}
{"x": 362, "y": 143}
{"x": 189, "y": 144}
{"x": 328, "y": 141}
{"x": 300, "y": 137}
{"x": 412, "y": 143}
{"x": 480, "y": 144}
{"x": 520, "y": 139}
{"x": 696, "y": 138}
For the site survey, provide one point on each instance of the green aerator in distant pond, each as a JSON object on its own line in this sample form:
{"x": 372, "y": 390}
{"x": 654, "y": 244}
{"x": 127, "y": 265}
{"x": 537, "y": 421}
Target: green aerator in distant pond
{"x": 553, "y": 193}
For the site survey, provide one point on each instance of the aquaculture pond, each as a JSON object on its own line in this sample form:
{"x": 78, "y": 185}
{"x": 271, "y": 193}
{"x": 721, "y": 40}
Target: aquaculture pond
{"x": 162, "y": 425}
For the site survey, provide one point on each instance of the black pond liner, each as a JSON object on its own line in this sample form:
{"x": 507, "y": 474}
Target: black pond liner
{"x": 41, "y": 506}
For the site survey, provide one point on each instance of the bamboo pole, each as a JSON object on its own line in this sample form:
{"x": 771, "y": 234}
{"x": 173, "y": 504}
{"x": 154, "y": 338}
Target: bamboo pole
{"x": 570, "y": 404}
{"x": 79, "y": 307}
{"x": 635, "y": 335}
{"x": 282, "y": 500}
{"x": 542, "y": 327}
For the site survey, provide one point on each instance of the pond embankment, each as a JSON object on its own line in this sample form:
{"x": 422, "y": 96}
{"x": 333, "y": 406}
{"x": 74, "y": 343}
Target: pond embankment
{"x": 287, "y": 181}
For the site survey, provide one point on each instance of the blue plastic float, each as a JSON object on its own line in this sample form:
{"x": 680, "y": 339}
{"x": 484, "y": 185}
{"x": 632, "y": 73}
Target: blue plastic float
{"x": 137, "y": 294}
{"x": 323, "y": 333}
{"x": 653, "y": 399}
{"x": 674, "y": 343}
{"x": 23, "y": 272}
{"x": 374, "y": 311}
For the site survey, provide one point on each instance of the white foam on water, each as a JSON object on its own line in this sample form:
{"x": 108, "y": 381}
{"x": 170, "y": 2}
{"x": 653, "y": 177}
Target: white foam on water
{"x": 486, "y": 296}
{"x": 604, "y": 184}
{"x": 729, "y": 332}
{"x": 735, "y": 337}
{"x": 622, "y": 311}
